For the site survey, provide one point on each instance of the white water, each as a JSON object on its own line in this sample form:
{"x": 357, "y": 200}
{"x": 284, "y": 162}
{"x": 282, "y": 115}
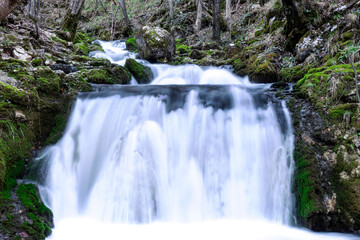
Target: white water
{"x": 135, "y": 166}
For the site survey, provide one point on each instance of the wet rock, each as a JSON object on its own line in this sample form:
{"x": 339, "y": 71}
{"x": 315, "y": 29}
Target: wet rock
{"x": 155, "y": 44}
{"x": 141, "y": 73}
{"x": 264, "y": 73}
{"x": 131, "y": 44}
{"x": 66, "y": 68}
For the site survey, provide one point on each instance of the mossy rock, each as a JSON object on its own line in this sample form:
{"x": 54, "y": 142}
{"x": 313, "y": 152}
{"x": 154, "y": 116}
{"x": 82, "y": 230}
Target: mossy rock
{"x": 131, "y": 45}
{"x": 182, "y": 49}
{"x": 337, "y": 113}
{"x": 99, "y": 76}
{"x": 265, "y": 72}
{"x": 38, "y": 62}
{"x": 81, "y": 38}
{"x": 95, "y": 47}
{"x": 141, "y": 73}
{"x": 112, "y": 75}
{"x": 99, "y": 62}
{"x": 46, "y": 80}
{"x": 155, "y": 44}
{"x": 198, "y": 54}
{"x": 75, "y": 82}
{"x": 15, "y": 143}
{"x": 81, "y": 49}
{"x": 121, "y": 75}
{"x": 293, "y": 74}
{"x": 309, "y": 195}
{"x": 276, "y": 25}
{"x": 16, "y": 96}
{"x": 347, "y": 196}
{"x": 39, "y": 226}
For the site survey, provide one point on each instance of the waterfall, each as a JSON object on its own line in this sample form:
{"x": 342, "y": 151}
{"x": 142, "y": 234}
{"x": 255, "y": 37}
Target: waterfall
{"x": 197, "y": 153}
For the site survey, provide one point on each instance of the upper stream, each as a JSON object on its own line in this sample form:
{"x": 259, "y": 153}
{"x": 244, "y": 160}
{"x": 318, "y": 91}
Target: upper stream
{"x": 197, "y": 154}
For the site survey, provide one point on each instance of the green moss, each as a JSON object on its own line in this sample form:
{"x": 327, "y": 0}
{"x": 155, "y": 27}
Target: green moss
{"x": 98, "y": 76}
{"x": 131, "y": 44}
{"x": 37, "y": 62}
{"x": 347, "y": 36}
{"x": 258, "y": 33}
{"x": 293, "y": 74}
{"x": 44, "y": 85}
{"x": 57, "y": 131}
{"x": 308, "y": 192}
{"x": 81, "y": 38}
{"x": 95, "y": 47}
{"x": 11, "y": 65}
{"x": 13, "y": 95}
{"x": 347, "y": 197}
{"x": 15, "y": 144}
{"x": 182, "y": 49}
{"x": 29, "y": 197}
{"x": 81, "y": 49}
{"x": 121, "y": 75}
{"x": 141, "y": 73}
{"x": 59, "y": 40}
{"x": 276, "y": 25}
{"x": 338, "y": 112}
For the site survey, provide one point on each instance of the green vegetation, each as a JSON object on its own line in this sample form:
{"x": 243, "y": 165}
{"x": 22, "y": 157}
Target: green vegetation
{"x": 15, "y": 144}
{"x": 309, "y": 195}
{"x": 131, "y": 44}
{"x": 141, "y": 73}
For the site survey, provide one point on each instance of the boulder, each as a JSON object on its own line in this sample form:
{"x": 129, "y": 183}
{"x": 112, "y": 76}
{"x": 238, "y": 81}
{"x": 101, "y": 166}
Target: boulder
{"x": 66, "y": 68}
{"x": 141, "y": 73}
{"x": 131, "y": 44}
{"x": 155, "y": 44}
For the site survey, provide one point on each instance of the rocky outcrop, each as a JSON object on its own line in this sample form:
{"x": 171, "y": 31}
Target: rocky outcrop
{"x": 326, "y": 175}
{"x": 155, "y": 44}
{"x": 141, "y": 73}
{"x": 26, "y": 215}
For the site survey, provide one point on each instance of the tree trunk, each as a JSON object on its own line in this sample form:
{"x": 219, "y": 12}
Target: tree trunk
{"x": 216, "y": 20}
{"x": 197, "y": 26}
{"x": 171, "y": 8}
{"x": 124, "y": 13}
{"x": 295, "y": 26}
{"x": 6, "y": 7}
{"x": 72, "y": 17}
{"x": 33, "y": 12}
{"x": 228, "y": 16}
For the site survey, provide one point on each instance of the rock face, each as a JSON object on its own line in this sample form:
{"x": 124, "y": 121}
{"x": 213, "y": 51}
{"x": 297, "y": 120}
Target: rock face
{"x": 141, "y": 73}
{"x": 155, "y": 44}
{"x": 326, "y": 180}
{"x": 28, "y": 217}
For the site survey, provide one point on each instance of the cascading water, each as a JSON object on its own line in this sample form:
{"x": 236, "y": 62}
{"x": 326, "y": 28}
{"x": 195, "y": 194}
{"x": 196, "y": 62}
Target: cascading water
{"x": 210, "y": 157}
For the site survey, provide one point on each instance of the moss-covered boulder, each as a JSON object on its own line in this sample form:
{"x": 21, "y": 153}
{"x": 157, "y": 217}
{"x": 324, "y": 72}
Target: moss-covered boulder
{"x": 23, "y": 214}
{"x": 121, "y": 74}
{"x": 46, "y": 80}
{"x": 107, "y": 75}
{"x": 131, "y": 45}
{"x": 155, "y": 44}
{"x": 81, "y": 49}
{"x": 141, "y": 73}
{"x": 264, "y": 72}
